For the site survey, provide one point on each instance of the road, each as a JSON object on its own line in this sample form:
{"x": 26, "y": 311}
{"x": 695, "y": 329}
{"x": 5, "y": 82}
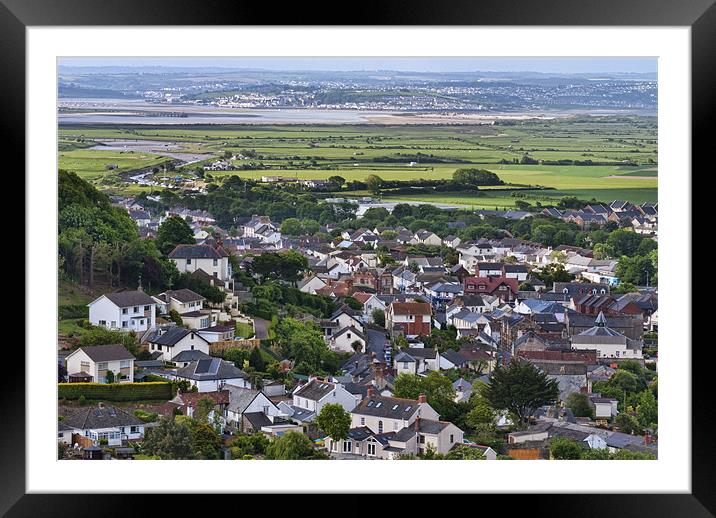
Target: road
{"x": 376, "y": 342}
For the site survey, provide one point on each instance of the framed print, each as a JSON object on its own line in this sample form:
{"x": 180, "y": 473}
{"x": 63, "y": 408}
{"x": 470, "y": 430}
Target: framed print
{"x": 408, "y": 239}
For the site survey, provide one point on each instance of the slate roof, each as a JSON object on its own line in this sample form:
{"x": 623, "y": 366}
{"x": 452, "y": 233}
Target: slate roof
{"x": 381, "y": 406}
{"x": 172, "y": 336}
{"x": 240, "y": 398}
{"x": 315, "y": 389}
{"x": 91, "y": 418}
{"x": 107, "y": 353}
{"x": 197, "y": 252}
{"x": 430, "y": 427}
{"x": 125, "y": 299}
{"x": 190, "y": 356}
{"x": 210, "y": 369}
{"x": 257, "y": 419}
{"x": 184, "y": 295}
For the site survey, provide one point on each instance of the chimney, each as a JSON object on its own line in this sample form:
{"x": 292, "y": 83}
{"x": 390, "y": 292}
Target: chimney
{"x": 647, "y": 438}
{"x": 417, "y": 424}
{"x": 422, "y": 398}
{"x": 371, "y": 391}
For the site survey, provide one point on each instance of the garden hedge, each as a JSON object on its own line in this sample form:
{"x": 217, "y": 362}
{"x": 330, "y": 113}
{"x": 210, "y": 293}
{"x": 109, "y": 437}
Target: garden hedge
{"x": 116, "y": 391}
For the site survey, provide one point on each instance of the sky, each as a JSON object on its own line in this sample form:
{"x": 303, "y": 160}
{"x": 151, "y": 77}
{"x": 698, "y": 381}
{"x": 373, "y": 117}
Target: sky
{"x": 554, "y": 65}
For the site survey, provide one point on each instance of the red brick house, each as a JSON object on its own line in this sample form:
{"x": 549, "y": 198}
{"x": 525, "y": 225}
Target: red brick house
{"x": 409, "y": 318}
{"x": 502, "y": 287}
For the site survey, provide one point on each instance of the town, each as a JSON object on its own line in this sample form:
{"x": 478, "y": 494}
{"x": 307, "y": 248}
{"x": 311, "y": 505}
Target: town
{"x": 258, "y": 319}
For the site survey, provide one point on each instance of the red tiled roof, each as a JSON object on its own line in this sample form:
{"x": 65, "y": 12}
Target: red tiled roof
{"x": 411, "y": 308}
{"x": 491, "y": 283}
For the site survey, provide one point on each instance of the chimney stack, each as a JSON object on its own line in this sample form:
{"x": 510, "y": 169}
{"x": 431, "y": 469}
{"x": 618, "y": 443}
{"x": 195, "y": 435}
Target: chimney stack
{"x": 417, "y": 424}
{"x": 422, "y": 398}
{"x": 371, "y": 391}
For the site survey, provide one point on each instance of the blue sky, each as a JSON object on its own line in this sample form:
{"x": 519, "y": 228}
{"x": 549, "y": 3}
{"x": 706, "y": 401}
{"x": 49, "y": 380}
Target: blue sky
{"x": 432, "y": 64}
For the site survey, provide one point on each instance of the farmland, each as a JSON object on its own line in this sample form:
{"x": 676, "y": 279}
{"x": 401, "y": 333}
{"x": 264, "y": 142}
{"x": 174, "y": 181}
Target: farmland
{"x": 602, "y": 157}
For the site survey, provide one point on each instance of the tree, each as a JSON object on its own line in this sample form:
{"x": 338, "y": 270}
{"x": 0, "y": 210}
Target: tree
{"x": 475, "y": 177}
{"x": 334, "y": 421}
{"x": 521, "y": 389}
{"x": 109, "y": 377}
{"x": 378, "y": 316}
{"x": 256, "y": 360}
{"x": 562, "y": 448}
{"x": 290, "y": 446}
{"x": 624, "y": 242}
{"x": 175, "y": 317}
{"x": 169, "y": 440}
{"x": 465, "y": 452}
{"x": 172, "y": 232}
{"x": 291, "y": 227}
{"x": 374, "y": 183}
{"x": 627, "y": 423}
{"x": 579, "y": 404}
{"x": 437, "y": 388}
{"x": 206, "y": 441}
{"x": 203, "y": 408}
{"x": 647, "y": 411}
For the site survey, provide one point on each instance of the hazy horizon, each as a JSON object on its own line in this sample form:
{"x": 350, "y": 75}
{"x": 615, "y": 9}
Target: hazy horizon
{"x": 546, "y": 65}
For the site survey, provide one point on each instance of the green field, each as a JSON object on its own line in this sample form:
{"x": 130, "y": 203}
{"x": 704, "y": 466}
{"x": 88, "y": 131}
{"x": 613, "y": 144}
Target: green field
{"x": 354, "y": 152}
{"x": 92, "y": 164}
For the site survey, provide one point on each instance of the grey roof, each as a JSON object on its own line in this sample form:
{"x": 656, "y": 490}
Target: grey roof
{"x": 381, "y": 406}
{"x": 240, "y": 398}
{"x": 125, "y": 299}
{"x": 453, "y": 357}
{"x": 190, "y": 356}
{"x": 210, "y": 369}
{"x": 183, "y": 295}
{"x": 404, "y": 434}
{"x": 257, "y": 419}
{"x": 315, "y": 389}
{"x": 95, "y": 417}
{"x": 196, "y": 252}
{"x": 403, "y": 357}
{"x": 352, "y": 330}
{"x": 172, "y": 336}
{"x": 431, "y": 427}
{"x": 426, "y": 353}
{"x": 107, "y": 353}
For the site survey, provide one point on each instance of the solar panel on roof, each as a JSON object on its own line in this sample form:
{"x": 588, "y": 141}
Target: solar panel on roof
{"x": 202, "y": 366}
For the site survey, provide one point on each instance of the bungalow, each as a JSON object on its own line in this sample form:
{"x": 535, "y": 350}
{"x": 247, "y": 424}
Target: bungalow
{"x": 100, "y": 423}
{"x": 212, "y": 374}
{"x": 92, "y": 364}
{"x": 218, "y": 333}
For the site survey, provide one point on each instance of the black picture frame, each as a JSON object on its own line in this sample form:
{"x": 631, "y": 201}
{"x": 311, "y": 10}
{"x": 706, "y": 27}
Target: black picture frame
{"x": 700, "y": 15}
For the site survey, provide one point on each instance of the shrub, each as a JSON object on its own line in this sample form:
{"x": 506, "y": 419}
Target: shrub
{"x": 115, "y": 392}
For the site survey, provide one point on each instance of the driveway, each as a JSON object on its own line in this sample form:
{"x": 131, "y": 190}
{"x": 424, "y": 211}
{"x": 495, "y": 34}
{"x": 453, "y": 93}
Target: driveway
{"x": 261, "y": 328}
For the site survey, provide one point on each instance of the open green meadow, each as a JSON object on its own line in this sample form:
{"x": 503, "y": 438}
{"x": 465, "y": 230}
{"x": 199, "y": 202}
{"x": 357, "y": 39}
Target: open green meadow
{"x": 407, "y": 152}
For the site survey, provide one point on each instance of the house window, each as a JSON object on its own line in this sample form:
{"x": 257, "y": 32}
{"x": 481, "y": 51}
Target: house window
{"x": 134, "y": 429}
{"x": 452, "y": 438}
{"x": 124, "y": 324}
{"x": 395, "y": 425}
{"x": 146, "y": 308}
{"x": 103, "y": 322}
{"x": 347, "y": 446}
{"x": 102, "y": 366}
{"x": 380, "y": 426}
{"x": 371, "y": 448}
{"x": 136, "y": 309}
{"x": 124, "y": 364}
{"x": 114, "y": 323}
{"x": 124, "y": 311}
{"x": 216, "y": 262}
{"x": 422, "y": 439}
{"x": 362, "y": 421}
{"x": 188, "y": 261}
{"x": 85, "y": 366}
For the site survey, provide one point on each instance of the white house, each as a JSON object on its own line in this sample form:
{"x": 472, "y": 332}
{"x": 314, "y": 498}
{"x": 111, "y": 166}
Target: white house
{"x": 181, "y": 301}
{"x": 345, "y": 339}
{"x": 315, "y": 394}
{"x": 104, "y": 423}
{"x": 170, "y": 341}
{"x": 124, "y": 310}
{"x": 213, "y": 260}
{"x": 91, "y": 364}
{"x": 311, "y": 284}
{"x": 243, "y": 401}
{"x": 213, "y": 374}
